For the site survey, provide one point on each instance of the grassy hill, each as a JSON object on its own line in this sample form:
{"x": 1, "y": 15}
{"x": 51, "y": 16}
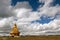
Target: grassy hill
{"x": 55, "y": 37}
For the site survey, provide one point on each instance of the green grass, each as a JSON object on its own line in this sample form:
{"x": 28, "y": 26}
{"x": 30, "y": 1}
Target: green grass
{"x": 56, "y": 37}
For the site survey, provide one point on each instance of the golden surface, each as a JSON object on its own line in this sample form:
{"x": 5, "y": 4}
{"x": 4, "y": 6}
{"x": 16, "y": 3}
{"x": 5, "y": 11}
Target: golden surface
{"x": 14, "y": 32}
{"x": 14, "y": 29}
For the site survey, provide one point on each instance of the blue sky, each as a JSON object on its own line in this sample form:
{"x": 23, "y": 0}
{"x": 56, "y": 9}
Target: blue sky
{"x": 35, "y": 5}
{"x": 56, "y": 2}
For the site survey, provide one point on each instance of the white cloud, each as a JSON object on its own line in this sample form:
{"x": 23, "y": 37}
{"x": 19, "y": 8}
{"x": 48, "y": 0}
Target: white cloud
{"x": 38, "y": 29}
{"x": 50, "y": 11}
{"x": 5, "y": 25}
{"x": 52, "y": 27}
{"x": 22, "y": 5}
{"x": 24, "y": 14}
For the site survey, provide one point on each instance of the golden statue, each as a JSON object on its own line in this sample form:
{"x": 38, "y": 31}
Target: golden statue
{"x": 14, "y": 32}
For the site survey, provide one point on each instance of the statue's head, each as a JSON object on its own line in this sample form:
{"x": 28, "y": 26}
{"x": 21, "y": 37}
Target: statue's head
{"x": 15, "y": 24}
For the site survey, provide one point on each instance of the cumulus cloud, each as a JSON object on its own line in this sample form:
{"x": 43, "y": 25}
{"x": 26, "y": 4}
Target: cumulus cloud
{"x": 24, "y": 14}
{"x": 53, "y": 27}
{"x": 5, "y": 25}
{"x": 8, "y": 13}
{"x": 6, "y": 16}
{"x": 5, "y": 8}
{"x": 22, "y": 5}
{"x": 48, "y": 9}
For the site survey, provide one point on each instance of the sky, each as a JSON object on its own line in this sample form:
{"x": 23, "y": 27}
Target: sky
{"x": 33, "y": 17}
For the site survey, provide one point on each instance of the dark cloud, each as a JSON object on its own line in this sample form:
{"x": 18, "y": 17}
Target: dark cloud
{"x": 5, "y": 9}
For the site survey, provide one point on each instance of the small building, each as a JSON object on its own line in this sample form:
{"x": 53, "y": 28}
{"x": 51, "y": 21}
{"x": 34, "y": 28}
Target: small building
{"x": 14, "y": 32}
